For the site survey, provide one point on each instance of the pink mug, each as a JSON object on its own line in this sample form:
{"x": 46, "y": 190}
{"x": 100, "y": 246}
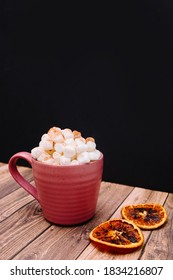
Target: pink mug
{"x": 67, "y": 194}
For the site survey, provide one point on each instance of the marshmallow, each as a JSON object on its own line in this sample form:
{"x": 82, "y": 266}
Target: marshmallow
{"x": 36, "y": 152}
{"x": 58, "y": 138}
{"x": 91, "y": 146}
{"x": 90, "y": 139}
{"x": 76, "y": 134}
{"x": 67, "y": 133}
{"x": 43, "y": 157}
{"x": 65, "y": 147}
{"x": 80, "y": 140}
{"x": 45, "y": 137}
{"x": 46, "y": 144}
{"x": 80, "y": 147}
{"x": 69, "y": 141}
{"x": 83, "y": 157}
{"x": 55, "y": 134}
{"x": 59, "y": 148}
{"x": 94, "y": 155}
{"x": 69, "y": 151}
{"x": 56, "y": 155}
{"x": 64, "y": 160}
{"x": 53, "y": 131}
{"x": 74, "y": 162}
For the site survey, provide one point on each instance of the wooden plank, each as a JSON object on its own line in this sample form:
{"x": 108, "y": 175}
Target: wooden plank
{"x": 13, "y": 202}
{"x": 159, "y": 243}
{"x": 20, "y": 229}
{"x": 68, "y": 242}
{"x": 56, "y": 243}
{"x": 7, "y": 183}
{"x": 138, "y": 195}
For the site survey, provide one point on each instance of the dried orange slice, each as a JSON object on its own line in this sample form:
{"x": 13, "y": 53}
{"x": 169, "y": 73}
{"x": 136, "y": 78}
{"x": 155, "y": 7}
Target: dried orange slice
{"x": 145, "y": 216}
{"x": 117, "y": 235}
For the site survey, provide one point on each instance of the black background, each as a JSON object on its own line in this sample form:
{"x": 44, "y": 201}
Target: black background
{"x": 105, "y": 70}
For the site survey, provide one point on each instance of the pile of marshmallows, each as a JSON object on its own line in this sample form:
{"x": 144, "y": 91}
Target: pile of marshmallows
{"x": 65, "y": 147}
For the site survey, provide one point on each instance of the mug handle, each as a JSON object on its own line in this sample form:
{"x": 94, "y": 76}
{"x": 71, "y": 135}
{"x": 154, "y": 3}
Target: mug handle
{"x": 17, "y": 176}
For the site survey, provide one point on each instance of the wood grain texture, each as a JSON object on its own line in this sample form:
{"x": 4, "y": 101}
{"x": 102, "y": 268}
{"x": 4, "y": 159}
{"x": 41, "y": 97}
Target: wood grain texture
{"x": 13, "y": 202}
{"x": 160, "y": 240}
{"x": 25, "y": 234}
{"x": 7, "y": 183}
{"x": 20, "y": 229}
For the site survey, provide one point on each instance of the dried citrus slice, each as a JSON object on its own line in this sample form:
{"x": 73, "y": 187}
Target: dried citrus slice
{"x": 145, "y": 216}
{"x": 117, "y": 235}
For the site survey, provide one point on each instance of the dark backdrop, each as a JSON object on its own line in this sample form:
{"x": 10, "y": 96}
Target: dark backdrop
{"x": 104, "y": 70}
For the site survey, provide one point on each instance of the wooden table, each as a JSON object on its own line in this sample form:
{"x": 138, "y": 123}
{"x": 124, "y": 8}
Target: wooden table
{"x": 25, "y": 234}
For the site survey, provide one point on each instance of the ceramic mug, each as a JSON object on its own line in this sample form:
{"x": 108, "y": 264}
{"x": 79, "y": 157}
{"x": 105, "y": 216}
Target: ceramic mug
{"x": 68, "y": 195}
